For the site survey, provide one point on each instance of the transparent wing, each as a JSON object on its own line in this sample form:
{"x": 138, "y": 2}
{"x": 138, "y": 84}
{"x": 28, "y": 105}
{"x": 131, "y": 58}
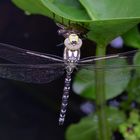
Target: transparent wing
{"x": 117, "y": 61}
{"x": 31, "y": 73}
{"x": 126, "y": 55}
{"x": 121, "y": 71}
{"x": 116, "y": 68}
{"x": 18, "y": 55}
{"x": 115, "y": 80}
{"x": 110, "y": 62}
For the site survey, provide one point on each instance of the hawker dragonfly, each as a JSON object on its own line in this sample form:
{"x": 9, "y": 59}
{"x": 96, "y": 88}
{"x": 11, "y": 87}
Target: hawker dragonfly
{"x": 35, "y": 67}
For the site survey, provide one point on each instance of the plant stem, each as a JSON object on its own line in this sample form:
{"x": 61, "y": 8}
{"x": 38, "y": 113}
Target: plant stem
{"x": 103, "y": 130}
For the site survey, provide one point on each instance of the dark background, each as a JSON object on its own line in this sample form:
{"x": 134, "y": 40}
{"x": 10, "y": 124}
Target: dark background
{"x": 31, "y": 111}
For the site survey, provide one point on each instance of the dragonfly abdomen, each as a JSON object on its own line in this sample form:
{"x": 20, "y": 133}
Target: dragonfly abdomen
{"x": 65, "y": 99}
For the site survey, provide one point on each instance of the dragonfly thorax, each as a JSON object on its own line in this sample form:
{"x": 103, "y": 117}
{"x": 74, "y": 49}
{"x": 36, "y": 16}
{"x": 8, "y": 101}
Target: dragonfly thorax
{"x": 71, "y": 57}
{"x": 72, "y": 51}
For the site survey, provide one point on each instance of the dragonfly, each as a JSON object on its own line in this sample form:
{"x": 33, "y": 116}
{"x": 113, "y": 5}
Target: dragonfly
{"x": 36, "y": 67}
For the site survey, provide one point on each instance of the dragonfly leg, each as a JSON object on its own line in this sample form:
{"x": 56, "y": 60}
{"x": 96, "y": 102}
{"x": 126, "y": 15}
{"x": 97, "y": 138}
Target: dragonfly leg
{"x": 65, "y": 99}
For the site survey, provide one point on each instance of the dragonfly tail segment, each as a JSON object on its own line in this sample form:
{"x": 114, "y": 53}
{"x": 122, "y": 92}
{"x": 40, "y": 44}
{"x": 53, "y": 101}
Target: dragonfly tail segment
{"x": 65, "y": 98}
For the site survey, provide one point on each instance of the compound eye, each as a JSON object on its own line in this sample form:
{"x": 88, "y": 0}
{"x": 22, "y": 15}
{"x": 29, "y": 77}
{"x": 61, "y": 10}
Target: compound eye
{"x": 73, "y": 39}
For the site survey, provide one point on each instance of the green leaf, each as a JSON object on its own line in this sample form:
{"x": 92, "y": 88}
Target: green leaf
{"x": 134, "y": 89}
{"x": 36, "y": 7}
{"x": 107, "y": 9}
{"x": 104, "y": 31}
{"x": 134, "y": 117}
{"x": 137, "y": 63}
{"x": 86, "y": 129}
{"x": 137, "y": 58}
{"x": 132, "y": 38}
{"x": 116, "y": 79}
{"x": 71, "y": 10}
{"x": 105, "y": 19}
{"x": 33, "y": 7}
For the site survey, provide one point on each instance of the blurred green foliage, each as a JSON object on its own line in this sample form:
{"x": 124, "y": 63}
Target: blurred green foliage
{"x": 87, "y": 127}
{"x": 130, "y": 129}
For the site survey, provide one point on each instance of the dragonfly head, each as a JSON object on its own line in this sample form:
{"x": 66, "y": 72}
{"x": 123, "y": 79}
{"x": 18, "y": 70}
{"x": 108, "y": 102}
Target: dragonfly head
{"x": 73, "y": 42}
{"x": 73, "y": 39}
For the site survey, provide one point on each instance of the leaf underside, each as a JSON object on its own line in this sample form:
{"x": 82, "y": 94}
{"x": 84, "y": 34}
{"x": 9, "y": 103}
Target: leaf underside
{"x": 105, "y": 19}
